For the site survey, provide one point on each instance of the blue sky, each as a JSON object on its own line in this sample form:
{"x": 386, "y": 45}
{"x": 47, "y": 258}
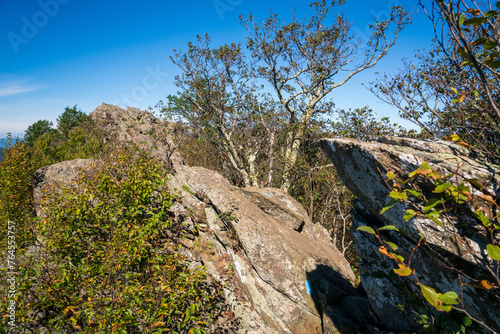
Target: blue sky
{"x": 58, "y": 53}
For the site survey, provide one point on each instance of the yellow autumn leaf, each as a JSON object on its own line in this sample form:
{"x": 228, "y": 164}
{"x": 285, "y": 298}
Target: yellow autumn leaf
{"x": 403, "y": 270}
{"x": 453, "y": 137}
{"x": 157, "y": 324}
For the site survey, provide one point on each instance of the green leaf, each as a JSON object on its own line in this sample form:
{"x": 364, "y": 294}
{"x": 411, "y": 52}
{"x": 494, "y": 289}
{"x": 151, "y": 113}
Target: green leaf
{"x": 484, "y": 220}
{"x": 475, "y": 182}
{"x": 403, "y": 271}
{"x": 389, "y": 205}
{"x": 449, "y": 298}
{"x": 479, "y": 41}
{"x": 475, "y": 21}
{"x": 493, "y": 63}
{"x": 401, "y": 182}
{"x": 429, "y": 294}
{"x": 467, "y": 322}
{"x": 463, "y": 188}
{"x": 388, "y": 228}
{"x": 491, "y": 13}
{"x": 397, "y": 195}
{"x": 424, "y": 168}
{"x": 432, "y": 203}
{"x": 493, "y": 252}
{"x": 392, "y": 245}
{"x": 409, "y": 215}
{"x": 461, "y": 19}
{"x": 414, "y": 193}
{"x": 442, "y": 302}
{"x": 390, "y": 175}
{"x": 442, "y": 188}
{"x": 367, "y": 229}
{"x": 490, "y": 45}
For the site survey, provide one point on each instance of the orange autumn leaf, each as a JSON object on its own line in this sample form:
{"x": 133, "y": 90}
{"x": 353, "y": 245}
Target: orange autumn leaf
{"x": 384, "y": 251}
{"x": 488, "y": 199}
{"x": 487, "y": 285}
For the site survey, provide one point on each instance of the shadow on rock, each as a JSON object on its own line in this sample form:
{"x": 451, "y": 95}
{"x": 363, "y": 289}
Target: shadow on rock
{"x": 343, "y": 309}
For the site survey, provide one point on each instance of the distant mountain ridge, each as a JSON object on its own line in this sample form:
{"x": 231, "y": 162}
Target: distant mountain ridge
{"x": 3, "y": 142}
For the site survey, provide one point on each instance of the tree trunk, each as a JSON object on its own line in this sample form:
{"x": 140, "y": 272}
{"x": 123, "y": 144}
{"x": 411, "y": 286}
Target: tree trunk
{"x": 291, "y": 154}
{"x": 292, "y": 146}
{"x": 251, "y": 166}
{"x": 235, "y": 159}
{"x": 271, "y": 161}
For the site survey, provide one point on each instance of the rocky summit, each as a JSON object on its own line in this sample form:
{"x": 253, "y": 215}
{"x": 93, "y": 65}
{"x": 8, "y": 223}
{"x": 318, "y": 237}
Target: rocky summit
{"x": 280, "y": 272}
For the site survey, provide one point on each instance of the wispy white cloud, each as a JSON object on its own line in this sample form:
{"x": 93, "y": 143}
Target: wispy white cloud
{"x": 17, "y": 87}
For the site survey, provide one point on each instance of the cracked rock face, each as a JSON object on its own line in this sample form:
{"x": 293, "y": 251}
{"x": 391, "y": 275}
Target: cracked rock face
{"x": 361, "y": 166}
{"x": 281, "y": 272}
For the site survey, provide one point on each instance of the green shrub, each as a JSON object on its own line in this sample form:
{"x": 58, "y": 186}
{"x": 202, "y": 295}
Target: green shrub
{"x": 20, "y": 161}
{"x": 108, "y": 261}
{"x": 16, "y": 172}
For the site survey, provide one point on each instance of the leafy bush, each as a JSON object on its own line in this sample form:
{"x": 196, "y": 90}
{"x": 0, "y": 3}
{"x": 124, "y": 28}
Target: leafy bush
{"x": 16, "y": 172}
{"x": 22, "y": 158}
{"x": 107, "y": 262}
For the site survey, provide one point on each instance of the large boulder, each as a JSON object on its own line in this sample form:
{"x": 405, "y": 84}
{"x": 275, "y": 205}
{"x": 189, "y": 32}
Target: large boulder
{"x": 138, "y": 127}
{"x": 361, "y": 166}
{"x": 50, "y": 178}
{"x": 280, "y": 271}
{"x": 274, "y": 259}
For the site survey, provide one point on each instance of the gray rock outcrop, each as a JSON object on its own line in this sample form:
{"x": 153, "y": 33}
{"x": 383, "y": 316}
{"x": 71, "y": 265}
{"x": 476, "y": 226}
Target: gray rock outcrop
{"x": 361, "y": 166}
{"x": 281, "y": 273}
